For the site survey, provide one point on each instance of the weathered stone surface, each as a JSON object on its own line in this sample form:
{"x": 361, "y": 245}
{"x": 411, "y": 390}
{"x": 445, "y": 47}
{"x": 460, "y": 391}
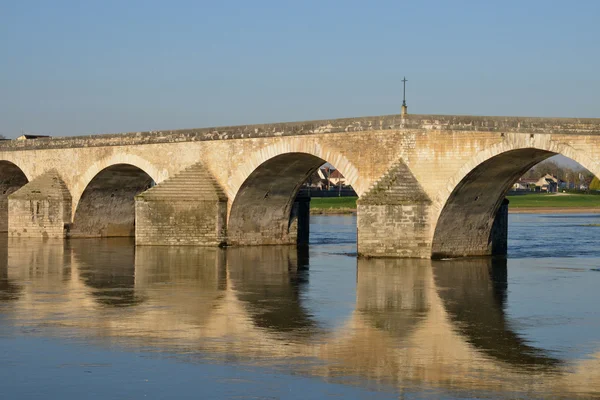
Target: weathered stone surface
{"x": 106, "y": 208}
{"x": 459, "y": 123}
{"x": 188, "y": 209}
{"x": 11, "y": 180}
{"x": 261, "y": 211}
{"x": 394, "y": 217}
{"x": 451, "y": 159}
{"x": 41, "y": 208}
{"x": 465, "y": 223}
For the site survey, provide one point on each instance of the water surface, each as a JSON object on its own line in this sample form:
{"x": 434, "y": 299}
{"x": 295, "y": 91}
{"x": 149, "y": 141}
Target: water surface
{"x": 104, "y": 319}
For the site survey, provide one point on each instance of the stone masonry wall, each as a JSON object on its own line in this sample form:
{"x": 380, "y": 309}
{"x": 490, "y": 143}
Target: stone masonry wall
{"x": 188, "y": 209}
{"x": 180, "y": 222}
{"x": 393, "y": 218}
{"x": 36, "y": 218}
{"x": 40, "y": 209}
{"x": 394, "y": 230}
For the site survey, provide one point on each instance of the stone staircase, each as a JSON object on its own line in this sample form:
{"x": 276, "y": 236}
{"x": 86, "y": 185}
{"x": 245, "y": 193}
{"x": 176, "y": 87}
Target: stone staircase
{"x": 48, "y": 186}
{"x": 190, "y": 208}
{"x": 193, "y": 183}
{"x": 397, "y": 187}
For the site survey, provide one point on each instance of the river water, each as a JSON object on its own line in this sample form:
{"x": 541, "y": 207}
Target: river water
{"x": 101, "y": 319}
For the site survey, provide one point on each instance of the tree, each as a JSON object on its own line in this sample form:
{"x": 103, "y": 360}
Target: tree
{"x": 595, "y": 184}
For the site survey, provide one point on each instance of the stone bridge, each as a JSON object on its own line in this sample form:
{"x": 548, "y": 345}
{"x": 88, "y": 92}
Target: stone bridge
{"x": 428, "y": 186}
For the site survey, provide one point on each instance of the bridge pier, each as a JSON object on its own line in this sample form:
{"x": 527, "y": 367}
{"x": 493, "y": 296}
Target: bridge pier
{"x": 41, "y": 208}
{"x": 499, "y": 234}
{"x": 393, "y": 218}
{"x": 188, "y": 209}
{"x": 393, "y": 230}
{"x": 300, "y": 219}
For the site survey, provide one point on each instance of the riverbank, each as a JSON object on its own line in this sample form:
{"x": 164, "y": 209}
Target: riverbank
{"x": 560, "y": 203}
{"x": 554, "y": 210}
{"x": 333, "y": 205}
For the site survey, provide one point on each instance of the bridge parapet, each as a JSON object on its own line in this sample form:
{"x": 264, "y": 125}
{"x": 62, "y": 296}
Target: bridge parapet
{"x": 462, "y": 123}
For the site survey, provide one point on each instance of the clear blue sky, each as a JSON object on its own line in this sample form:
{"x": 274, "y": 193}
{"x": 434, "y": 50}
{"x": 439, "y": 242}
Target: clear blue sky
{"x": 79, "y": 67}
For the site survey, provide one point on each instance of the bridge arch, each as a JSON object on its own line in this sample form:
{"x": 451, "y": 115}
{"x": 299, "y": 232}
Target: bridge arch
{"x": 294, "y": 146}
{"x": 265, "y": 187}
{"x": 12, "y": 178}
{"x": 106, "y": 208}
{"x": 84, "y": 180}
{"x": 465, "y": 209}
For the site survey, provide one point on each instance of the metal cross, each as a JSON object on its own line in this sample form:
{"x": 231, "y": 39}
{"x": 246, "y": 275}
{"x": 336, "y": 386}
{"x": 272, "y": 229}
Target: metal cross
{"x": 404, "y": 91}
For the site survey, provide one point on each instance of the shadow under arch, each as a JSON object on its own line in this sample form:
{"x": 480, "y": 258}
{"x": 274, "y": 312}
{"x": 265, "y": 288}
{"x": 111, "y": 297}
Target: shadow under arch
{"x": 12, "y": 178}
{"x": 464, "y": 227}
{"x": 107, "y": 206}
{"x": 474, "y": 292}
{"x": 260, "y": 213}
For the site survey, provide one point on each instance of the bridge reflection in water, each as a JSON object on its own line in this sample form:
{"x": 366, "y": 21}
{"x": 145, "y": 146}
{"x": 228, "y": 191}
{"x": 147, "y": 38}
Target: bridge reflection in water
{"x": 438, "y": 324}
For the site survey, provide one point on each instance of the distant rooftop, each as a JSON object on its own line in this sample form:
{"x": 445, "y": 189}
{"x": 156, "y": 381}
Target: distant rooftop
{"x": 26, "y": 137}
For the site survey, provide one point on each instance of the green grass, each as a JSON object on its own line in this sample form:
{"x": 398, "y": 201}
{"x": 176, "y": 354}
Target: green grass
{"x": 326, "y": 203}
{"x": 536, "y": 200}
{"x": 554, "y": 200}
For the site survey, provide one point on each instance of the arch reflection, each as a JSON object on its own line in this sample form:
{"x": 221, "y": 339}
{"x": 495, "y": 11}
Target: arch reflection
{"x": 474, "y": 293}
{"x": 270, "y": 281}
{"x": 107, "y": 266}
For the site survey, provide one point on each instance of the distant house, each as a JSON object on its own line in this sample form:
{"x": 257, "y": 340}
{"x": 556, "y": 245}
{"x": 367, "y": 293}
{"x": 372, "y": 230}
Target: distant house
{"x": 525, "y": 184}
{"x": 548, "y": 183}
{"x": 27, "y": 137}
{"x": 336, "y": 178}
{"x": 331, "y": 176}
{"x": 316, "y": 181}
